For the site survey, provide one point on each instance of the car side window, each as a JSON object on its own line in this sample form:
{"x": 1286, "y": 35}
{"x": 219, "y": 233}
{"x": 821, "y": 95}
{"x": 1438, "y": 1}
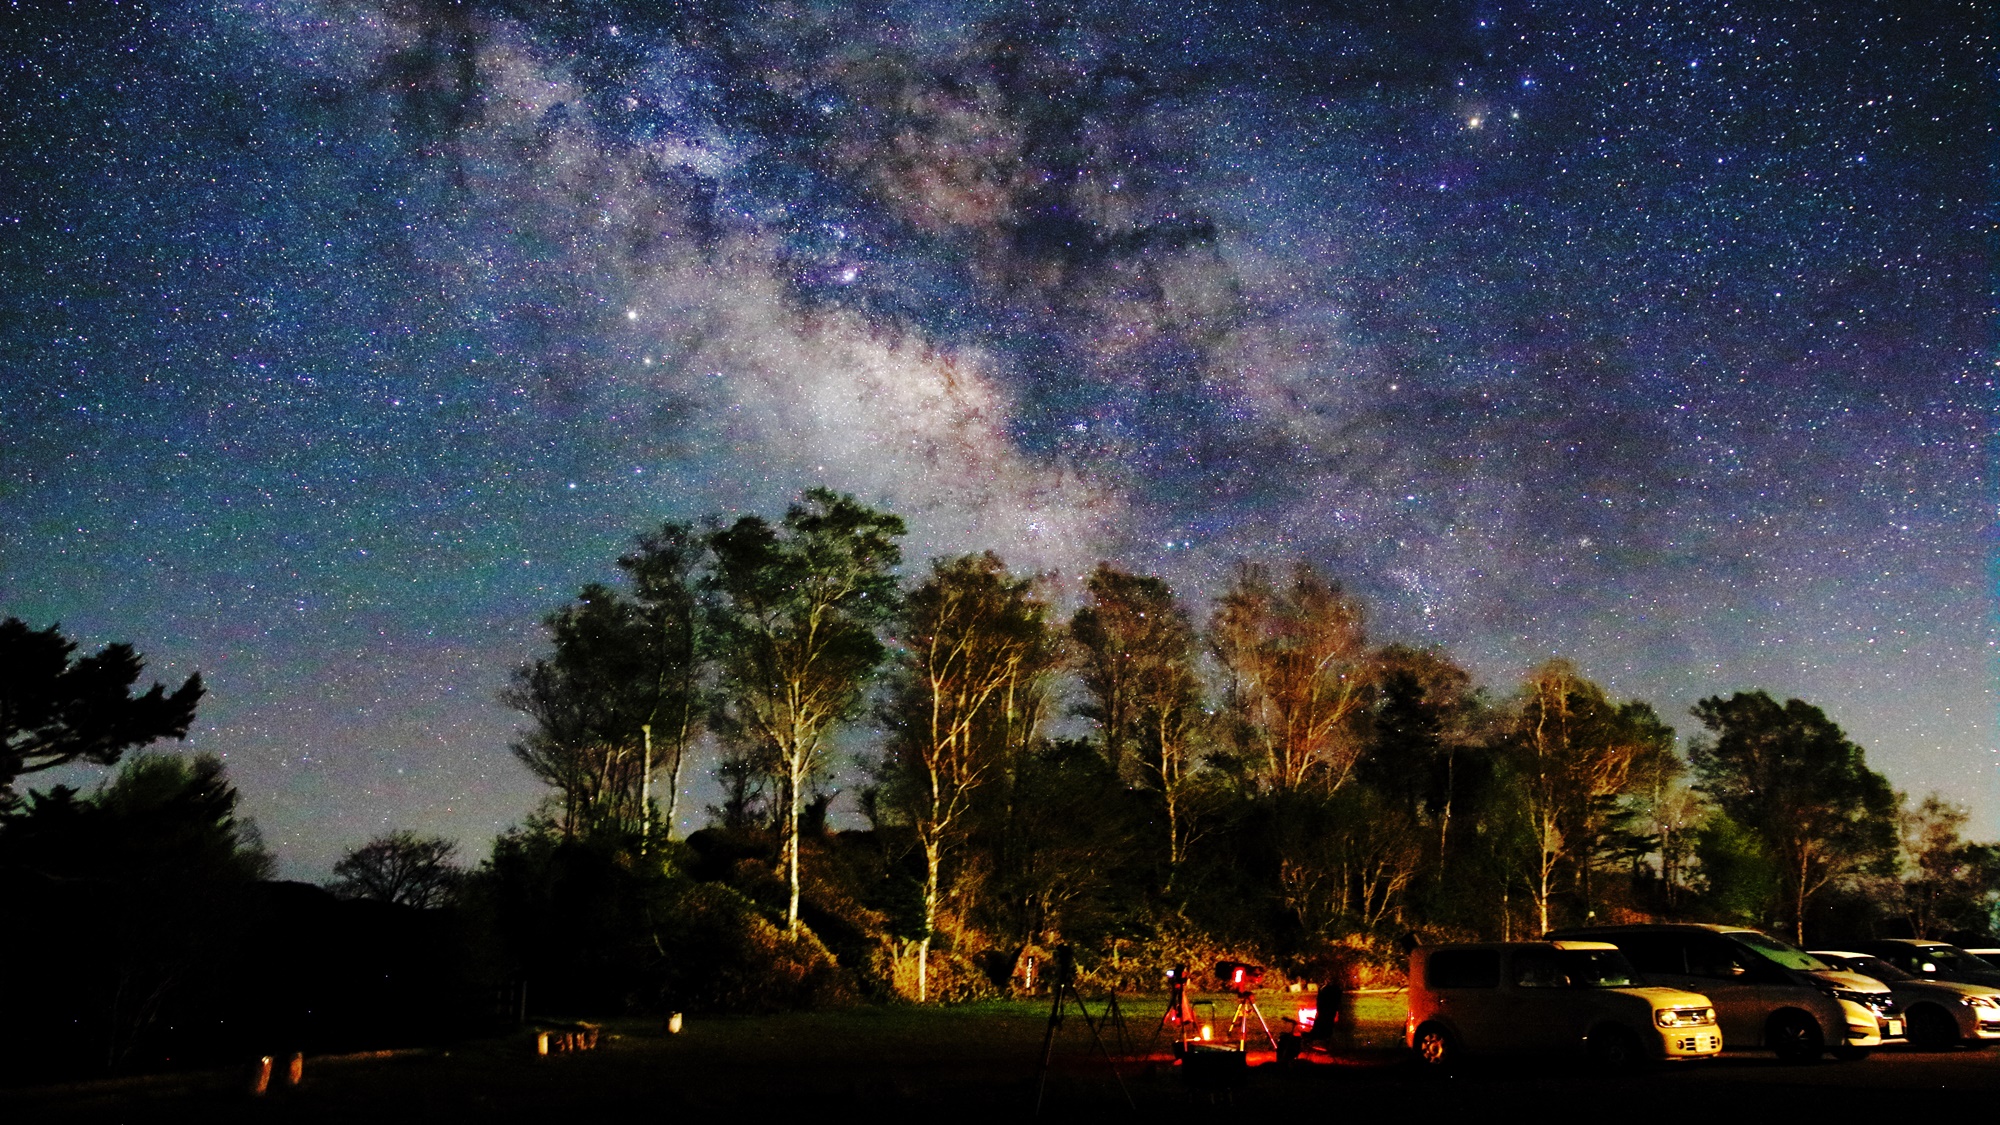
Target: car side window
{"x": 1717, "y": 957}
{"x": 1537, "y": 968}
{"x": 1908, "y": 962}
{"x": 1654, "y": 953}
{"x": 1463, "y": 968}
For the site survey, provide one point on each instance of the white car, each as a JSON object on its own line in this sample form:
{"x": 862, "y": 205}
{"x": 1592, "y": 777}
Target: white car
{"x": 1940, "y": 1014}
{"x": 1767, "y": 993}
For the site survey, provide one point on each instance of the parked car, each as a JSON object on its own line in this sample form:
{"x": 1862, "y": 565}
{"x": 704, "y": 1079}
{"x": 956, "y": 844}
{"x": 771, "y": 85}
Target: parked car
{"x": 1579, "y": 998}
{"x": 1937, "y": 1013}
{"x": 1767, "y": 993}
{"x": 1934, "y": 960}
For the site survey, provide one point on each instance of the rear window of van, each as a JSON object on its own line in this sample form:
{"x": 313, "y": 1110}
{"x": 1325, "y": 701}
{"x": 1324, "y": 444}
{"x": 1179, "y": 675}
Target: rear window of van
{"x": 1463, "y": 968}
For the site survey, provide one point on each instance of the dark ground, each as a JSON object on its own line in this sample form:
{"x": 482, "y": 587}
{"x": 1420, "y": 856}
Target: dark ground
{"x": 978, "y": 1062}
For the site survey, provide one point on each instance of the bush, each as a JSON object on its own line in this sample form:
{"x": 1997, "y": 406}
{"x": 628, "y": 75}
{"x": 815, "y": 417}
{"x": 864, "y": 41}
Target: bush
{"x": 722, "y": 955}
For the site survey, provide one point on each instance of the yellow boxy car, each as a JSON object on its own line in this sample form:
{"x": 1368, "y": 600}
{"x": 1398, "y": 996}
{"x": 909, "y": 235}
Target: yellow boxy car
{"x": 1551, "y": 998}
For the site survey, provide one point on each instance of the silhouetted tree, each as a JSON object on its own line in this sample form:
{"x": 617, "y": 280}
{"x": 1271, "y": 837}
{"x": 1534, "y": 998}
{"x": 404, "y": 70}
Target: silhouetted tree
{"x": 55, "y": 709}
{"x": 585, "y": 741}
{"x": 401, "y": 867}
{"x": 135, "y": 890}
{"x": 1422, "y": 718}
{"x": 665, "y": 573}
{"x": 1790, "y": 775}
{"x": 620, "y": 696}
{"x": 1135, "y": 653}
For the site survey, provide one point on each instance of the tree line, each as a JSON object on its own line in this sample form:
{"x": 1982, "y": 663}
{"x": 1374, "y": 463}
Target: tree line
{"x": 1270, "y": 778}
{"x": 1149, "y": 786}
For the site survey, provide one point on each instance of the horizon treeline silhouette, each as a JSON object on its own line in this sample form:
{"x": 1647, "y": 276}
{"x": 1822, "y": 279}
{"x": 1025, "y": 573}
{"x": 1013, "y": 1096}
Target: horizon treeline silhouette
{"x": 1270, "y": 784}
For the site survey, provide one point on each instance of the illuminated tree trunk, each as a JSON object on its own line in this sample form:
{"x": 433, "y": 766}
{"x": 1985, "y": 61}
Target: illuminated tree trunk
{"x": 932, "y": 863}
{"x": 971, "y": 633}
{"x": 796, "y": 625}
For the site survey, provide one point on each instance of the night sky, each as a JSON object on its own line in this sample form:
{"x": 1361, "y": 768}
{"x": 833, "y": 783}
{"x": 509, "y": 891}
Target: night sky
{"x": 342, "y": 340}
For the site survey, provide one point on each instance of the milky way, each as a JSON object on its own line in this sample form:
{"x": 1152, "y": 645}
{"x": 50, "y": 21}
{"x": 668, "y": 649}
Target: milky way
{"x": 342, "y": 340}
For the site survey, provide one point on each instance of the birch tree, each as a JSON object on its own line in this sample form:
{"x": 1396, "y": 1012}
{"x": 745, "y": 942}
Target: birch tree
{"x": 1570, "y": 754}
{"x": 1296, "y": 662}
{"x": 972, "y": 635}
{"x": 796, "y": 609}
{"x": 1136, "y": 657}
{"x": 619, "y": 695}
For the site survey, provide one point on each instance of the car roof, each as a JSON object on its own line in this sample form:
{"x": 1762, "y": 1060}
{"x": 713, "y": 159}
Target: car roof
{"x": 1656, "y": 927}
{"x": 1570, "y": 944}
{"x": 1915, "y": 943}
{"x": 1836, "y": 953}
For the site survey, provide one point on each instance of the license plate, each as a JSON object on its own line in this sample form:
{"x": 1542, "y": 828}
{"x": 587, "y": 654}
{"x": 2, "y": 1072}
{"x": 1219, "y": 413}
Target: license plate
{"x": 1895, "y": 1029}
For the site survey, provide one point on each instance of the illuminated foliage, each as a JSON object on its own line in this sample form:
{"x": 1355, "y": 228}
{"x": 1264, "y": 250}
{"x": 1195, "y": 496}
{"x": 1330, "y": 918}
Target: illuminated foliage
{"x": 975, "y": 644}
{"x": 1297, "y": 676}
{"x": 1571, "y": 751}
{"x": 796, "y": 615}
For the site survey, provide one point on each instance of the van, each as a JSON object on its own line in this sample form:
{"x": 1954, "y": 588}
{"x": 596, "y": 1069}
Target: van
{"x": 1767, "y": 993}
{"x": 1579, "y": 998}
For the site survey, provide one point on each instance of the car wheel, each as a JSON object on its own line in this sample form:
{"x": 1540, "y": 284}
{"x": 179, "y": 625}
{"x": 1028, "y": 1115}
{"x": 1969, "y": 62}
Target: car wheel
{"x": 1795, "y": 1037}
{"x": 1614, "y": 1048}
{"x": 1932, "y": 1030}
{"x": 1435, "y": 1049}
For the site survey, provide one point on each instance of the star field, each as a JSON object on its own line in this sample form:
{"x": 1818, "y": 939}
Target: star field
{"x": 341, "y": 341}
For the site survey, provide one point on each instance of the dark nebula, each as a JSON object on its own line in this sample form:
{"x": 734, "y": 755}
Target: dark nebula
{"x": 339, "y": 341}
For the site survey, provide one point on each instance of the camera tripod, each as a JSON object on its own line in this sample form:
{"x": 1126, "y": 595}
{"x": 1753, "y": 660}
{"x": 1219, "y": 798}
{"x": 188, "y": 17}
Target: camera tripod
{"x": 1064, "y": 979}
{"x": 1179, "y": 1013}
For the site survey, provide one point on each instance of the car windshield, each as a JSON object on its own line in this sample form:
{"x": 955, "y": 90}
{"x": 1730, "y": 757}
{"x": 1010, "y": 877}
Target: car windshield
{"x": 1598, "y": 968}
{"x": 1771, "y": 949}
{"x": 1879, "y": 969}
{"x": 1953, "y": 960}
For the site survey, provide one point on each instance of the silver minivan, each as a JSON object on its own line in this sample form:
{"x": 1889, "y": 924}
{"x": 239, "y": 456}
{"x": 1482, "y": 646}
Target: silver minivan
{"x": 1767, "y": 993}
{"x": 1549, "y": 998}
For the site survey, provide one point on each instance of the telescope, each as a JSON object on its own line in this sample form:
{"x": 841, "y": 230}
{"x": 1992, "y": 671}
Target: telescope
{"x": 1239, "y": 976}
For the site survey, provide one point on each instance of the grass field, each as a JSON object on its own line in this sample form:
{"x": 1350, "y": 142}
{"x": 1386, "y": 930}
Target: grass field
{"x": 981, "y": 1059}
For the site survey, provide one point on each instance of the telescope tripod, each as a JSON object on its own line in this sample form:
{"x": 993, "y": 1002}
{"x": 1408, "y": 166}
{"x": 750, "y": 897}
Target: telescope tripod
{"x": 1064, "y": 979}
{"x": 1239, "y": 1024}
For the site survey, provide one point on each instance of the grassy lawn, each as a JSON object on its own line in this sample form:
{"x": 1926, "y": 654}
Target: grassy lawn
{"x": 979, "y": 1060}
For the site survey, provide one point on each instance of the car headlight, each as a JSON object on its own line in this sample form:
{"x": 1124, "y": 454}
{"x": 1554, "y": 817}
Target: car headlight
{"x": 1878, "y": 1001}
{"x": 1684, "y": 1017}
{"x": 1989, "y": 1002}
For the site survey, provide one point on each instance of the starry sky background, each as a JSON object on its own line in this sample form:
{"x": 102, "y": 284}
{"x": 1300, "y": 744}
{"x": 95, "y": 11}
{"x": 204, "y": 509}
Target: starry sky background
{"x": 341, "y": 340}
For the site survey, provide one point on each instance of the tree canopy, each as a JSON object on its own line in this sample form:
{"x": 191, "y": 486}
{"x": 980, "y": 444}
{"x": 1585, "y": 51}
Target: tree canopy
{"x": 1791, "y": 776}
{"x": 402, "y": 868}
{"x": 55, "y": 709}
{"x": 797, "y": 611}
